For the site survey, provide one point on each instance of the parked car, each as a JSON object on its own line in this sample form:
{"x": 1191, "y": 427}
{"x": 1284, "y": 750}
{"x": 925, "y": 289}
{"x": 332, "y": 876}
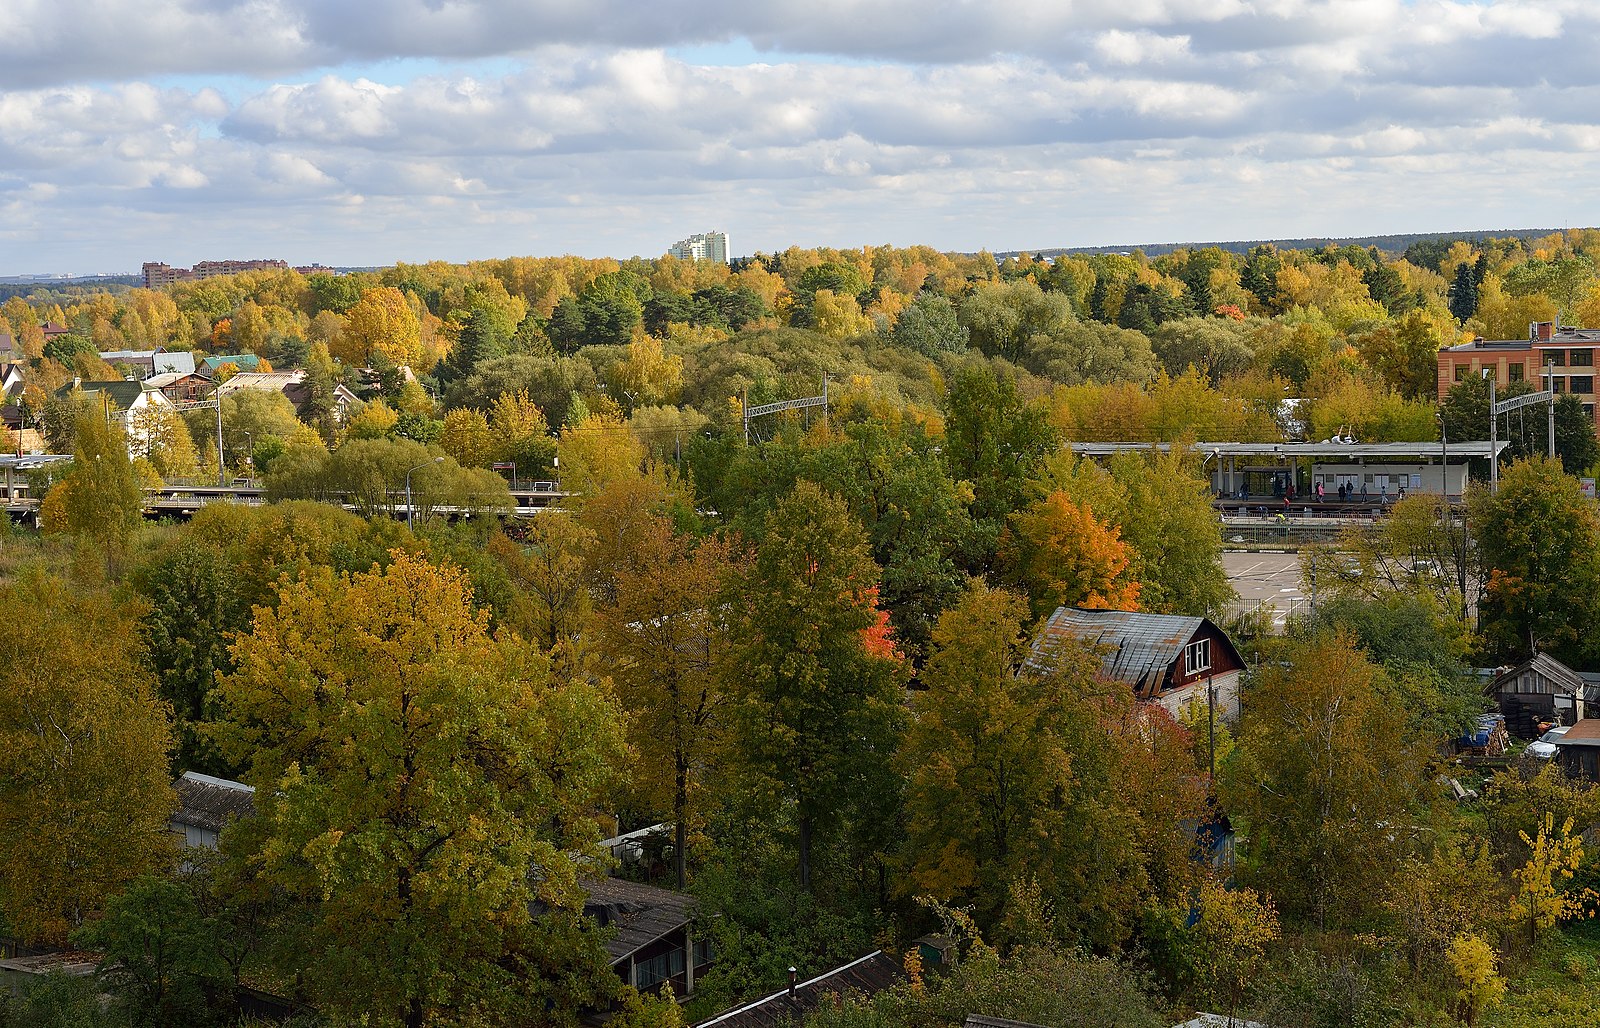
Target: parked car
{"x": 1545, "y": 746}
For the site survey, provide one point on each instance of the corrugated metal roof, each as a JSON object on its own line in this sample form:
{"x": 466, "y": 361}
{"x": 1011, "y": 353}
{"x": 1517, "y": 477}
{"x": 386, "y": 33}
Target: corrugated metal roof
{"x": 641, "y": 914}
{"x": 210, "y": 803}
{"x": 1134, "y": 647}
{"x": 869, "y": 975}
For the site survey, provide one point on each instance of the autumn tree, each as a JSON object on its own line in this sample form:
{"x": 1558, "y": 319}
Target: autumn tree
{"x": 84, "y": 790}
{"x": 1539, "y": 540}
{"x": 1543, "y": 897}
{"x": 817, "y": 713}
{"x": 1472, "y": 960}
{"x": 380, "y": 322}
{"x": 665, "y": 641}
{"x": 163, "y": 439}
{"x": 420, "y": 786}
{"x": 1062, "y": 555}
{"x": 100, "y": 501}
{"x": 987, "y": 764}
{"x": 1223, "y": 948}
{"x": 1323, "y": 756}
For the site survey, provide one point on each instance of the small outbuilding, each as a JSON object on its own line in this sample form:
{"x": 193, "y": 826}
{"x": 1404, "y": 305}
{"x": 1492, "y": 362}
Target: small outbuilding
{"x": 1578, "y": 752}
{"x": 1540, "y": 690}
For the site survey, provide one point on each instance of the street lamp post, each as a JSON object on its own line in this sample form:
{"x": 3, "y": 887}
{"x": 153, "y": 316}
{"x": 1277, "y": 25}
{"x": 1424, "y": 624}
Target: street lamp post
{"x": 436, "y": 460}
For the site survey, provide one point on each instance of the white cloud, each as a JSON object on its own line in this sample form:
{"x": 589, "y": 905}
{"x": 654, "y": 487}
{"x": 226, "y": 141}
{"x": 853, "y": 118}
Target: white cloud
{"x": 977, "y": 123}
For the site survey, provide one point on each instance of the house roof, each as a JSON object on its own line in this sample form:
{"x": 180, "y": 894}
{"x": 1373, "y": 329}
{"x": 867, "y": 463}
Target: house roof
{"x": 160, "y": 361}
{"x": 167, "y": 378}
{"x": 871, "y": 974}
{"x": 1134, "y": 647}
{"x": 210, "y": 803}
{"x": 123, "y": 393}
{"x": 1545, "y": 666}
{"x": 641, "y": 914}
{"x": 242, "y": 361}
{"x": 1585, "y": 733}
{"x": 267, "y": 381}
{"x": 7, "y": 344}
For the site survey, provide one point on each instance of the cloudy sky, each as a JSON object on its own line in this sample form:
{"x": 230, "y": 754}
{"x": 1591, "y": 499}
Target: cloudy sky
{"x": 360, "y": 132}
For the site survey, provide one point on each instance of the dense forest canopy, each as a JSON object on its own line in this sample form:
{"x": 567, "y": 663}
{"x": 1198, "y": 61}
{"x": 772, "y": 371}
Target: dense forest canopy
{"x": 809, "y": 652}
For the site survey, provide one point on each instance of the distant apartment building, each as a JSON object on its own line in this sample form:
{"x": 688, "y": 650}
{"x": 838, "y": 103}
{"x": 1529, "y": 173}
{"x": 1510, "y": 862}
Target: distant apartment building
{"x": 157, "y": 274}
{"x": 1566, "y": 354}
{"x": 702, "y": 246}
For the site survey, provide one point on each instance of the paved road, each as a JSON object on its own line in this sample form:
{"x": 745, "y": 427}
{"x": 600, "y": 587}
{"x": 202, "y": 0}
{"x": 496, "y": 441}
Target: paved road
{"x": 1267, "y": 579}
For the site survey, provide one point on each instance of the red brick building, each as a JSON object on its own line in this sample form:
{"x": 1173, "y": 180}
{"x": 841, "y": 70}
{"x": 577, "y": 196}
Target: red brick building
{"x": 1568, "y": 354}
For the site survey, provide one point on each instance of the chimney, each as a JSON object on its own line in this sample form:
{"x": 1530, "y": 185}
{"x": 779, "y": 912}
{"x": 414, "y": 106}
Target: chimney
{"x": 77, "y": 382}
{"x": 793, "y": 975}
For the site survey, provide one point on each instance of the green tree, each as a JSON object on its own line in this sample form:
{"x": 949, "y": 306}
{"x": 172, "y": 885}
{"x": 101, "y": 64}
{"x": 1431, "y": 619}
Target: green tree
{"x": 158, "y": 956}
{"x": 84, "y": 788}
{"x": 195, "y": 600}
{"x": 1539, "y": 539}
{"x": 1322, "y": 759}
{"x": 1464, "y": 292}
{"x": 818, "y": 712}
{"x": 410, "y": 771}
{"x": 100, "y": 500}
{"x": 995, "y": 439}
{"x": 930, "y": 326}
{"x": 665, "y": 641}
{"x": 1466, "y": 416}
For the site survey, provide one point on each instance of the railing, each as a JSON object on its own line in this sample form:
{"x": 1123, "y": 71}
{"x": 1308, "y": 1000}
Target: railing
{"x": 1276, "y": 611}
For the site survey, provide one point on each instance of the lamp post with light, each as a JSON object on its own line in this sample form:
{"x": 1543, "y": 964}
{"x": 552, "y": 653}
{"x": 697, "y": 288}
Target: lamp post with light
{"x": 436, "y": 460}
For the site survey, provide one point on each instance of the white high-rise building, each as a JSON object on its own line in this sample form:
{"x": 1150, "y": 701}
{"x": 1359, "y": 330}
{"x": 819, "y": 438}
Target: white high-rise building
{"x": 702, "y": 246}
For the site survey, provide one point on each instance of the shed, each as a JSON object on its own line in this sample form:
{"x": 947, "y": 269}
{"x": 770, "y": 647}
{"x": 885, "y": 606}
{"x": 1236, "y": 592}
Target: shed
{"x": 1578, "y": 752}
{"x": 1540, "y": 689}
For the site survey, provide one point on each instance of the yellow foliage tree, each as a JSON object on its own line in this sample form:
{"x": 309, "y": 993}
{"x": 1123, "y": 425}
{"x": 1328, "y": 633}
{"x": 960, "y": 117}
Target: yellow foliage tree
{"x": 1473, "y": 962}
{"x": 382, "y": 321}
{"x": 1541, "y": 894}
{"x": 1064, "y": 556}
{"x": 839, "y": 317}
{"x": 467, "y": 439}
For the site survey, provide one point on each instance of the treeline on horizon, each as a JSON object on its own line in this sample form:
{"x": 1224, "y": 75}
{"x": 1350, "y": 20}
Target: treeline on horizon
{"x": 807, "y": 653}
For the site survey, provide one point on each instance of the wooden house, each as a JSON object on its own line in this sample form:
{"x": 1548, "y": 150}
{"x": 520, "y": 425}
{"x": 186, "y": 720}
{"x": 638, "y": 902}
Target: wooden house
{"x": 1541, "y": 690}
{"x": 1174, "y": 661}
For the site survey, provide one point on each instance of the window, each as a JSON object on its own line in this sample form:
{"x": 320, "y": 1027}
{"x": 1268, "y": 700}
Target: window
{"x": 1514, "y": 371}
{"x": 1581, "y": 359}
{"x": 658, "y": 968}
{"x": 1461, "y": 372}
{"x": 1558, "y": 385}
{"x": 1580, "y": 384}
{"x": 703, "y": 953}
{"x": 1556, "y": 357}
{"x": 1197, "y": 657}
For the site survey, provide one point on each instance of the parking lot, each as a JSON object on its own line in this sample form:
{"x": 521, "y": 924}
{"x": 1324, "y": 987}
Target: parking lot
{"x": 1267, "y": 580}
